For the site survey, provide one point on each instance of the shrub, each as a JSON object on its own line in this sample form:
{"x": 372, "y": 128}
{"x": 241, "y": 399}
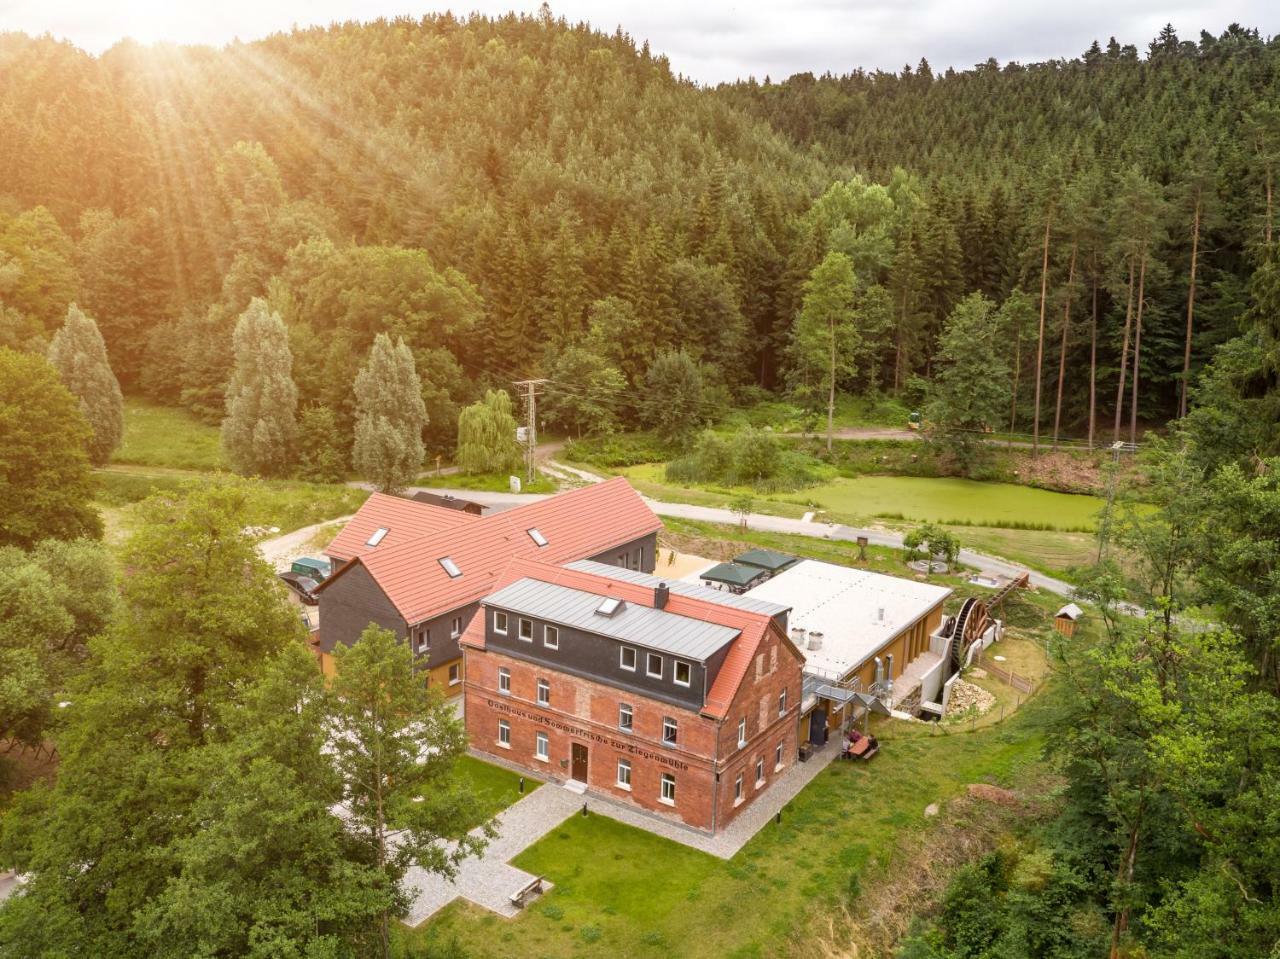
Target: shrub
{"x": 749, "y": 457}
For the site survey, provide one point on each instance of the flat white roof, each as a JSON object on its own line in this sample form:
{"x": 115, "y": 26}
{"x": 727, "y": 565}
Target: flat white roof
{"x": 846, "y": 605}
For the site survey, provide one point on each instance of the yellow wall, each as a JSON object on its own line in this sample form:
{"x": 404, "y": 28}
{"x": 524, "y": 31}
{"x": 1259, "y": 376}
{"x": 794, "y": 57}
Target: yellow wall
{"x": 905, "y": 647}
{"x": 438, "y": 676}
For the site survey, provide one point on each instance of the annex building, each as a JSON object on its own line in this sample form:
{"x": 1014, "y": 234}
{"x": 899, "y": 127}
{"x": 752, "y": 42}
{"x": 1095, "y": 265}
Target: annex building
{"x": 675, "y": 698}
{"x": 420, "y": 569}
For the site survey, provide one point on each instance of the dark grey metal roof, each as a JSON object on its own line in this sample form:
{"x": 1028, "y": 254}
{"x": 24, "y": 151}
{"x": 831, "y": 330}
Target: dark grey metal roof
{"x": 692, "y": 590}
{"x": 765, "y": 559}
{"x": 632, "y": 623}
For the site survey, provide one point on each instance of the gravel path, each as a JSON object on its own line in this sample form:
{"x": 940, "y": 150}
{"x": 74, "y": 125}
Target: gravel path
{"x": 281, "y": 551}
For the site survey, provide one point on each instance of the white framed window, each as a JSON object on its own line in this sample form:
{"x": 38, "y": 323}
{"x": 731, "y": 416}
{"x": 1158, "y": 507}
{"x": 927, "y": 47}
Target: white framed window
{"x": 782, "y": 703}
{"x": 742, "y": 732}
{"x": 627, "y": 658}
{"x": 542, "y": 747}
{"x": 551, "y": 637}
{"x": 544, "y": 693}
{"x": 422, "y": 641}
{"x": 450, "y": 567}
{"x": 682, "y": 674}
{"x": 777, "y": 757}
{"x": 526, "y": 630}
{"x": 504, "y": 734}
{"x": 504, "y": 680}
{"x": 625, "y": 718}
{"x": 737, "y": 790}
{"x": 624, "y": 774}
{"x": 377, "y": 536}
{"x": 455, "y": 629}
{"x": 500, "y": 622}
{"x": 536, "y": 535}
{"x": 653, "y": 666}
{"x": 455, "y": 674}
{"x": 668, "y": 793}
{"x": 759, "y": 772}
{"x": 670, "y": 730}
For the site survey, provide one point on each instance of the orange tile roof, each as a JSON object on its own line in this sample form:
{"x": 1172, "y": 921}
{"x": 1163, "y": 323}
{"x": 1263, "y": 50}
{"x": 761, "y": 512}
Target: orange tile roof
{"x": 753, "y": 625}
{"x": 577, "y": 524}
{"x": 403, "y": 519}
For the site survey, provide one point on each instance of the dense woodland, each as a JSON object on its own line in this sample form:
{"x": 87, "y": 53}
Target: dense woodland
{"x": 494, "y": 190}
{"x": 350, "y": 240}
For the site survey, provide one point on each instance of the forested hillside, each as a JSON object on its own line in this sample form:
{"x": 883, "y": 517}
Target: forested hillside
{"x": 478, "y": 187}
{"x": 493, "y": 190}
{"x": 1139, "y": 189}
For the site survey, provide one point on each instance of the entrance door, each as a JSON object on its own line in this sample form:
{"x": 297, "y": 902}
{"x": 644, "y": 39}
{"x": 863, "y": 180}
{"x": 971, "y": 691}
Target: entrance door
{"x": 580, "y": 762}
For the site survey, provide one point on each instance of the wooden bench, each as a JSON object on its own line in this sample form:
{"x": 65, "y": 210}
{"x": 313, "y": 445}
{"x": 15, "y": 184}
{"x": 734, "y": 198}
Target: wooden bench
{"x": 526, "y": 892}
{"x": 863, "y": 749}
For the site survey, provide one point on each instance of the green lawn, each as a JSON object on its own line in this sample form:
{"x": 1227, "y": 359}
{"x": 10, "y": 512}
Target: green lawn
{"x": 488, "y": 482}
{"x": 286, "y": 504}
{"x": 162, "y": 436}
{"x": 625, "y": 892}
{"x": 496, "y": 787}
{"x": 910, "y": 498}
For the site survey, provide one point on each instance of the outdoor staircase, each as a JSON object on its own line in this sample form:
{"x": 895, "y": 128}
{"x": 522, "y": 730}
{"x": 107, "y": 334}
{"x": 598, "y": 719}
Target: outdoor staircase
{"x": 906, "y": 688}
{"x": 574, "y": 786}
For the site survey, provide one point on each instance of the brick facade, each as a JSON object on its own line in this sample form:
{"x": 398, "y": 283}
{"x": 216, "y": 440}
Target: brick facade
{"x": 705, "y": 761}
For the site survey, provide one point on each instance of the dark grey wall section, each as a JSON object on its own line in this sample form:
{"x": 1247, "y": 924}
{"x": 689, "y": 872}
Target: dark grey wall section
{"x": 638, "y": 554}
{"x": 352, "y": 603}
{"x": 444, "y": 646}
{"x": 598, "y": 658}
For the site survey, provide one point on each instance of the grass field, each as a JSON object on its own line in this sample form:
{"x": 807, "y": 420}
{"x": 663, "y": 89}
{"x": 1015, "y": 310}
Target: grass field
{"x": 488, "y": 482}
{"x": 285, "y": 504}
{"x": 621, "y": 891}
{"x": 497, "y": 788}
{"x": 162, "y": 436}
{"x": 910, "y": 498}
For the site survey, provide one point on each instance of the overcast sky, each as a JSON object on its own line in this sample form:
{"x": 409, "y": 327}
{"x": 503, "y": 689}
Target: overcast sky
{"x": 707, "y": 40}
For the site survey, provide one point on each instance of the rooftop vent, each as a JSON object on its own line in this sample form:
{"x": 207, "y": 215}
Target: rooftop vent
{"x": 450, "y": 567}
{"x": 537, "y": 536}
{"x": 815, "y": 640}
{"x": 880, "y": 615}
{"x": 376, "y": 538}
{"x": 609, "y": 606}
{"x": 797, "y": 637}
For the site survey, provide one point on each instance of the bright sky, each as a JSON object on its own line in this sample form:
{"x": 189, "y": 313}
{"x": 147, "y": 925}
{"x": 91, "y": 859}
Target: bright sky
{"x": 709, "y": 41}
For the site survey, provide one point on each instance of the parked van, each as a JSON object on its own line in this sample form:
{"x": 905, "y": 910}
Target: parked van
{"x": 317, "y": 569}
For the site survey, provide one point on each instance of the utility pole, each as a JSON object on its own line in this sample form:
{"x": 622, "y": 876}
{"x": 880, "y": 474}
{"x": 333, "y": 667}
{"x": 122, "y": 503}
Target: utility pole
{"x": 1104, "y": 528}
{"x": 530, "y": 392}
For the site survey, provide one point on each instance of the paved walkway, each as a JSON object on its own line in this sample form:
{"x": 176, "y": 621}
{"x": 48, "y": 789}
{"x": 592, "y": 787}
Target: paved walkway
{"x": 488, "y": 879}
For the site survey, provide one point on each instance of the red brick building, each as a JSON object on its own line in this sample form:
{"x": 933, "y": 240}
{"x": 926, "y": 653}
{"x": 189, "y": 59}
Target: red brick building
{"x": 678, "y": 699}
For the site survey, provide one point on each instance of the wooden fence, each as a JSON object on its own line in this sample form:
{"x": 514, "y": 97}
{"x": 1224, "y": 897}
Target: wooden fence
{"x": 1006, "y": 676}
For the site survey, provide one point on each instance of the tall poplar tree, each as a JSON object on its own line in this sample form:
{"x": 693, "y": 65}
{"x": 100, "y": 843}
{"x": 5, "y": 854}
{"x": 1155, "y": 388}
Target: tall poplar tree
{"x": 260, "y": 431}
{"x": 825, "y": 341}
{"x": 390, "y": 416}
{"x": 79, "y": 355}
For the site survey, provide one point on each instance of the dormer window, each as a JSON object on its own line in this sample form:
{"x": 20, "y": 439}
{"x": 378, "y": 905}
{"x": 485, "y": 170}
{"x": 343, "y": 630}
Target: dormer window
{"x": 450, "y": 567}
{"x": 377, "y": 536}
{"x": 537, "y": 537}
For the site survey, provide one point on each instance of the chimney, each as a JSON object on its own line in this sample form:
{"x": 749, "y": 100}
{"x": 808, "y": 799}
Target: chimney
{"x": 888, "y": 673}
{"x": 797, "y": 637}
{"x": 815, "y": 640}
{"x": 660, "y": 595}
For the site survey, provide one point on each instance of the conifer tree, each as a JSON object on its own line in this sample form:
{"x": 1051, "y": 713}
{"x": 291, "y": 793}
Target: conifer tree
{"x": 79, "y": 355}
{"x": 260, "y": 431}
{"x": 390, "y": 417}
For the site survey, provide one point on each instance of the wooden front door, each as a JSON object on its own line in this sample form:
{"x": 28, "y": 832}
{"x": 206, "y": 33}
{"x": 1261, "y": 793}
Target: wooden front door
{"x": 580, "y": 762}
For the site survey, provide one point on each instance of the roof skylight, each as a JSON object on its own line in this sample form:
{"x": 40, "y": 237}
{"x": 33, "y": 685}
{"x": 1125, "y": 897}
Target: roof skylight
{"x": 609, "y": 606}
{"x": 536, "y": 535}
{"x": 376, "y": 538}
{"x": 450, "y": 567}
